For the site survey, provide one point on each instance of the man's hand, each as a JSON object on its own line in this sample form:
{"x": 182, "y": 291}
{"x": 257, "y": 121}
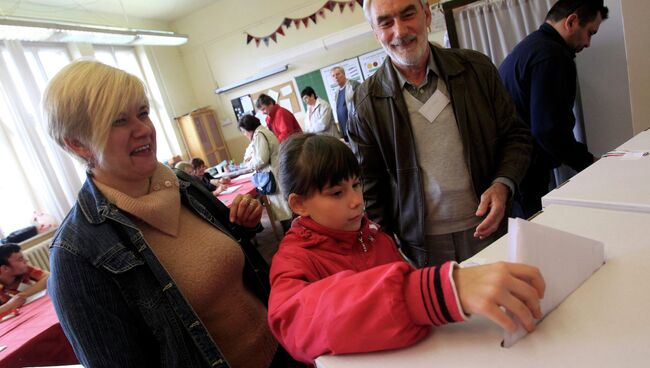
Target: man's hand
{"x": 245, "y": 211}
{"x": 493, "y": 203}
{"x": 514, "y": 286}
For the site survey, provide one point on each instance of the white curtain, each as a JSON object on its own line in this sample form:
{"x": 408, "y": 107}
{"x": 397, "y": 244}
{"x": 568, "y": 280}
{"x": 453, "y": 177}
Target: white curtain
{"x": 37, "y": 174}
{"x": 494, "y": 27}
{"x": 51, "y": 178}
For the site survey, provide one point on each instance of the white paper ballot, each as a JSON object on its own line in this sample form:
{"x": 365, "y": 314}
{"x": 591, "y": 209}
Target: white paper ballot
{"x": 231, "y": 189}
{"x": 434, "y": 106}
{"x": 565, "y": 260}
{"x": 38, "y": 295}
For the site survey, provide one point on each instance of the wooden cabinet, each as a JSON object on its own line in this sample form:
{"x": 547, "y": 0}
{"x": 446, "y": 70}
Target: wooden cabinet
{"x": 202, "y": 136}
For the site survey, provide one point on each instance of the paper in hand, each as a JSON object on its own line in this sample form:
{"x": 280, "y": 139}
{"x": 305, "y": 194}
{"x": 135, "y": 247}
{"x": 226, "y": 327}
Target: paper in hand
{"x": 566, "y": 260}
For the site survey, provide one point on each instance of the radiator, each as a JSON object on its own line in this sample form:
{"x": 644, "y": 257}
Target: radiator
{"x": 38, "y": 255}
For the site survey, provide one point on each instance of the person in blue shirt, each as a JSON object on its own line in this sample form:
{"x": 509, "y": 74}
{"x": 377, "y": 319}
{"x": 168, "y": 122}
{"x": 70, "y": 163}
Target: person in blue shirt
{"x": 540, "y": 74}
{"x": 343, "y": 98}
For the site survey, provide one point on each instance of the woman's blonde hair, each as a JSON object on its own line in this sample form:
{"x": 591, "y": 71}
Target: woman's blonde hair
{"x": 84, "y": 98}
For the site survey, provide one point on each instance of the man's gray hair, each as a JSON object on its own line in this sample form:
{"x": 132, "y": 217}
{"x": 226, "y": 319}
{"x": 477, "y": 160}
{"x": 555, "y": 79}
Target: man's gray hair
{"x": 367, "y": 3}
{"x": 339, "y": 68}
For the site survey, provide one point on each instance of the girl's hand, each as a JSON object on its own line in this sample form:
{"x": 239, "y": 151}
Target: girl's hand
{"x": 515, "y": 287}
{"x": 245, "y": 211}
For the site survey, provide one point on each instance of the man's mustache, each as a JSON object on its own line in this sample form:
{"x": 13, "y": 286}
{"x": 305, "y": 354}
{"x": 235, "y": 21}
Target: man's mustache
{"x": 399, "y": 41}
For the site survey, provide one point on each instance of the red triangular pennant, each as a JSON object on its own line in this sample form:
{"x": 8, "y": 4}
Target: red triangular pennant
{"x": 257, "y": 42}
{"x": 274, "y": 37}
{"x": 360, "y": 2}
{"x": 322, "y": 13}
{"x": 305, "y": 21}
{"x": 249, "y": 38}
{"x": 330, "y": 5}
{"x": 280, "y": 30}
{"x": 351, "y": 4}
{"x": 313, "y": 18}
{"x": 341, "y": 7}
{"x": 296, "y": 22}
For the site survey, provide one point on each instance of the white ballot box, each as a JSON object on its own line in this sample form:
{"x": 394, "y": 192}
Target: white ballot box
{"x": 603, "y": 323}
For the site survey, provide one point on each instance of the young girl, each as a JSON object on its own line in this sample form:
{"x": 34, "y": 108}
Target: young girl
{"x": 339, "y": 284}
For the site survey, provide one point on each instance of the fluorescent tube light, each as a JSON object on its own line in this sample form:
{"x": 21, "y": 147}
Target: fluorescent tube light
{"x": 23, "y": 29}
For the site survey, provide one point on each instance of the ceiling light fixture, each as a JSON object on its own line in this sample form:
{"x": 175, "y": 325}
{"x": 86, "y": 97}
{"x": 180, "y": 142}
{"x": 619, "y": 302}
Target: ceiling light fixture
{"x": 23, "y": 29}
{"x": 253, "y": 78}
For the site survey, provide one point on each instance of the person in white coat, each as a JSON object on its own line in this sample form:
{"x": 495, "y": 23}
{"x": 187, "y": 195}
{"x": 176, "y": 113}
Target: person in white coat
{"x": 262, "y": 155}
{"x": 319, "y": 119}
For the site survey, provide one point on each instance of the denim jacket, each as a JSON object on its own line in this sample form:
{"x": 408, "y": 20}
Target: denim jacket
{"x": 116, "y": 303}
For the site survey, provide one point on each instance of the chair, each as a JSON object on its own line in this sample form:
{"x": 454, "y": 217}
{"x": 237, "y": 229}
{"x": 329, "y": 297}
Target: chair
{"x": 277, "y": 230}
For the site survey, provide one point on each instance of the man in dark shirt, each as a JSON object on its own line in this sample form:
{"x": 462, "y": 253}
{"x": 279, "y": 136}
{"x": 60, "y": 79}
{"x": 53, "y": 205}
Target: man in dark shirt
{"x": 540, "y": 74}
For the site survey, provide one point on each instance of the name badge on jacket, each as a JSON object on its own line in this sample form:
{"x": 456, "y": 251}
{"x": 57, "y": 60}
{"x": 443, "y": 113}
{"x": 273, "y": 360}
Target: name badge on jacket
{"x": 434, "y": 106}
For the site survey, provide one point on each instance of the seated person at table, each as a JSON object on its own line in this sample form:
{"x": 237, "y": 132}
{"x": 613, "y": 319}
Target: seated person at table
{"x": 18, "y": 280}
{"x": 184, "y": 166}
{"x": 339, "y": 284}
{"x": 262, "y": 155}
{"x": 216, "y": 186}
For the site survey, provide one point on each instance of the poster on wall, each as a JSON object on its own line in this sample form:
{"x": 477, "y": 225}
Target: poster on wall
{"x": 371, "y": 61}
{"x": 352, "y": 71}
{"x": 242, "y": 105}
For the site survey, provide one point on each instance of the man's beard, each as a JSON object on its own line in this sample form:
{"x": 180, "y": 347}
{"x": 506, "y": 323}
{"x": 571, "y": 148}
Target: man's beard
{"x": 409, "y": 57}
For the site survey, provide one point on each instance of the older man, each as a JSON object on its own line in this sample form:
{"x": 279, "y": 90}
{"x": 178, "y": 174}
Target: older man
{"x": 540, "y": 73}
{"x": 439, "y": 140}
{"x": 343, "y": 98}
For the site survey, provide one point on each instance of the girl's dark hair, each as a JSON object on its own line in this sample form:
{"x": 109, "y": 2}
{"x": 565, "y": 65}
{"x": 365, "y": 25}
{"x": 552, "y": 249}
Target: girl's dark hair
{"x": 248, "y": 122}
{"x": 310, "y": 162}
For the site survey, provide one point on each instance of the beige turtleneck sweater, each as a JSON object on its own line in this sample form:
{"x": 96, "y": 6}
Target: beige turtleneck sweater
{"x": 207, "y": 266}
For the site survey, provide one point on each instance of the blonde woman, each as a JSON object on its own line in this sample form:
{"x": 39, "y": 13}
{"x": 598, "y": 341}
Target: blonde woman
{"x": 148, "y": 270}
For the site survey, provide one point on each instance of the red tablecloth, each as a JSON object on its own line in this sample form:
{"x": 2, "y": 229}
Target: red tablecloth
{"x": 34, "y": 337}
{"x": 247, "y": 187}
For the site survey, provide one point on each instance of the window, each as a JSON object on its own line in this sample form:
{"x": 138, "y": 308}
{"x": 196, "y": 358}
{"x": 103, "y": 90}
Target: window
{"x": 126, "y": 58}
{"x": 42, "y": 176}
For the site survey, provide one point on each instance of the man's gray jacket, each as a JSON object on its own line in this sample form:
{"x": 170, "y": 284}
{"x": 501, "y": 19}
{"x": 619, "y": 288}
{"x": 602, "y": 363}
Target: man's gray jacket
{"x": 496, "y": 142}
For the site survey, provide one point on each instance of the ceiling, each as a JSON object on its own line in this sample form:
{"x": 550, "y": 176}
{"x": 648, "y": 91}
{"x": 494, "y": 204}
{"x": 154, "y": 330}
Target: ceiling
{"x": 160, "y": 10}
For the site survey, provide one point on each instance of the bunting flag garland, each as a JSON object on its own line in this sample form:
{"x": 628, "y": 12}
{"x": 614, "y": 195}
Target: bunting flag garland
{"x": 287, "y": 22}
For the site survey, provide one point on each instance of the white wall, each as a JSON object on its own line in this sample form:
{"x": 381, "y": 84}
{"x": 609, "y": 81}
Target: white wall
{"x": 636, "y": 16}
{"x": 217, "y": 54}
{"x": 604, "y": 86}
